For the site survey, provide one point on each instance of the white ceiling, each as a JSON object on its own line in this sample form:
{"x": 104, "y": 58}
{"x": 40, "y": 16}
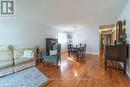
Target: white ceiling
{"x": 67, "y": 13}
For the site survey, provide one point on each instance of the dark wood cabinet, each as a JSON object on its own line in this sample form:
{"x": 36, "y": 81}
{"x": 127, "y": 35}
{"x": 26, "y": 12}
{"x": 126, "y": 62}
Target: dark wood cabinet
{"x": 116, "y": 53}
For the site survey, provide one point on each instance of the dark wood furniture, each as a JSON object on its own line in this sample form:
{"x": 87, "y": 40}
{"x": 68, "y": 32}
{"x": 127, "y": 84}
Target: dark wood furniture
{"x": 116, "y": 53}
{"x": 77, "y": 51}
{"x": 81, "y": 51}
{"x": 70, "y": 49}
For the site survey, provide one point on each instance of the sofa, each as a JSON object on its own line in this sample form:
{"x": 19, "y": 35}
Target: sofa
{"x": 13, "y": 60}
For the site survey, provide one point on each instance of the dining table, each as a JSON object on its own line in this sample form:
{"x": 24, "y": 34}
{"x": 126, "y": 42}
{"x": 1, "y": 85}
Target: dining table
{"x": 75, "y": 51}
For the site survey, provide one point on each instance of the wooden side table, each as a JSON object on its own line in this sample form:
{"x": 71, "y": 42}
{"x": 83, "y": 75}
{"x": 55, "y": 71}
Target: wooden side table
{"x": 39, "y": 55}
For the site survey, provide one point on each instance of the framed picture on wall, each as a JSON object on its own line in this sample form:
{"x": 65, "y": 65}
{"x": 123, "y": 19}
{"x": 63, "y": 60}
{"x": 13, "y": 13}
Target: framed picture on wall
{"x": 119, "y": 31}
{"x": 49, "y": 43}
{"x": 124, "y": 27}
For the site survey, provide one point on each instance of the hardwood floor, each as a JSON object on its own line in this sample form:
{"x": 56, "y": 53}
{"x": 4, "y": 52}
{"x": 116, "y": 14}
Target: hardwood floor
{"x": 88, "y": 72}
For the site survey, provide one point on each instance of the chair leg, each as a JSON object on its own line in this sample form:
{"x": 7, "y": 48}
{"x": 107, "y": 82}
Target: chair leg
{"x": 60, "y": 61}
{"x": 124, "y": 71}
{"x": 77, "y": 55}
{"x": 105, "y": 62}
{"x": 43, "y": 63}
{"x": 57, "y": 64}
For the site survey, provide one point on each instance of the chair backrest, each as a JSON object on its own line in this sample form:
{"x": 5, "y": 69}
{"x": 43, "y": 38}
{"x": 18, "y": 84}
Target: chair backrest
{"x": 70, "y": 46}
{"x": 80, "y": 45}
{"x": 57, "y": 47}
{"x": 84, "y": 47}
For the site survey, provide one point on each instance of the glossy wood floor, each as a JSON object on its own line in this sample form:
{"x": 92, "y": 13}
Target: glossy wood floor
{"x": 88, "y": 72}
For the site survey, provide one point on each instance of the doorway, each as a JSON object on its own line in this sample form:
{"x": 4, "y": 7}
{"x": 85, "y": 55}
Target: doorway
{"x": 106, "y": 39}
{"x": 107, "y": 36}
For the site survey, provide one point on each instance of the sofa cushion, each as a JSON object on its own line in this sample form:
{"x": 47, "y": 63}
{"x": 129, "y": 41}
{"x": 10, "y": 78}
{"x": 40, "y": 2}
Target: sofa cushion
{"x": 4, "y": 64}
{"x": 24, "y": 65}
{"x": 22, "y": 60}
{"x": 3, "y": 48}
{"x": 6, "y": 55}
{"x": 6, "y": 58}
{"x": 18, "y": 53}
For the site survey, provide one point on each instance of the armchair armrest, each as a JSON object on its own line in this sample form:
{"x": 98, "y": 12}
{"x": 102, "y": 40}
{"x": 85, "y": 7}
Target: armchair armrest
{"x": 52, "y": 58}
{"x": 47, "y": 53}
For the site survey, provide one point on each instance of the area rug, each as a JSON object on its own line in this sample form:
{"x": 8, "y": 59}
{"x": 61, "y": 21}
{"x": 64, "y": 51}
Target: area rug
{"x": 30, "y": 77}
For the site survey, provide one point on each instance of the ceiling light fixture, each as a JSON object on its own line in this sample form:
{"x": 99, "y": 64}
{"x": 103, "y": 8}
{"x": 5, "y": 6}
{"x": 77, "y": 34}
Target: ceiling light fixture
{"x": 75, "y": 29}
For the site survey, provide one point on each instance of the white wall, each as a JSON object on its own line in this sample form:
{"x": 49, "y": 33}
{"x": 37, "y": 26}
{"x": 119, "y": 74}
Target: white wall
{"x": 126, "y": 15}
{"x": 24, "y": 35}
{"x": 27, "y": 29}
{"x": 90, "y": 36}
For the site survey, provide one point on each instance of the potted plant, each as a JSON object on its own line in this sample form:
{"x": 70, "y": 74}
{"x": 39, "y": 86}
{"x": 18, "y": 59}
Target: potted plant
{"x": 123, "y": 38}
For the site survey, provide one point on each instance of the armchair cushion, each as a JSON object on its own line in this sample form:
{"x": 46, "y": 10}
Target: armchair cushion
{"x": 52, "y": 58}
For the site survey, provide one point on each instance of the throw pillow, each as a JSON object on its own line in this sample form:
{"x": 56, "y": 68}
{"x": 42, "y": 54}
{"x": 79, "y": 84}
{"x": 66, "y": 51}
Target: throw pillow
{"x": 53, "y": 52}
{"x": 28, "y": 53}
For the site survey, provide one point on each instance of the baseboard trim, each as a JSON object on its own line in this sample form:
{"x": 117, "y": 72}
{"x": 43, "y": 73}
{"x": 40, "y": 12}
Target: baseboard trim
{"x": 94, "y": 53}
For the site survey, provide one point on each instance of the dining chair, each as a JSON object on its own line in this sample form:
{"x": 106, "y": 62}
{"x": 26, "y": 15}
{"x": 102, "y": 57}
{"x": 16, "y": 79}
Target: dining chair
{"x": 70, "y": 49}
{"x": 81, "y": 51}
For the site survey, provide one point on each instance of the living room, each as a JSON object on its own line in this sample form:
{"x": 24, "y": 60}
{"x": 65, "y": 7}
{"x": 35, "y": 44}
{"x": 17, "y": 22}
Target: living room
{"x": 32, "y": 21}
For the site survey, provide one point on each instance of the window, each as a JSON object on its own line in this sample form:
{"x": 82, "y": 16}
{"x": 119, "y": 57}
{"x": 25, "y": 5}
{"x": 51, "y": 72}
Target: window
{"x": 62, "y": 38}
